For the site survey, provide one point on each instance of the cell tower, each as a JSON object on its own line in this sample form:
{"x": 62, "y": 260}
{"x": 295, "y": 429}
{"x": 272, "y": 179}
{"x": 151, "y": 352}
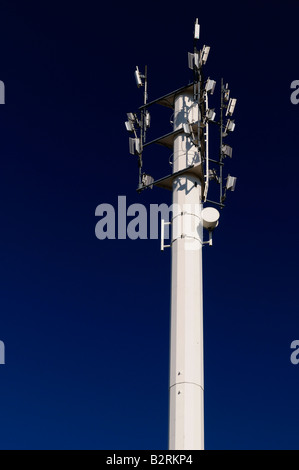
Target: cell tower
{"x": 192, "y": 172}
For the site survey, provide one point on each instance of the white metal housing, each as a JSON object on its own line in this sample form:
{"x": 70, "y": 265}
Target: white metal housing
{"x": 210, "y": 218}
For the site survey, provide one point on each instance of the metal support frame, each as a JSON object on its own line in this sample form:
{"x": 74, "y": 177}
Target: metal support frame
{"x": 221, "y": 142}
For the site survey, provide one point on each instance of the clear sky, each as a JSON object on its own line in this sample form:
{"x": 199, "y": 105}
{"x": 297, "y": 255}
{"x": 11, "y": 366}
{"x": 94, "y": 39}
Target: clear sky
{"x": 86, "y": 322}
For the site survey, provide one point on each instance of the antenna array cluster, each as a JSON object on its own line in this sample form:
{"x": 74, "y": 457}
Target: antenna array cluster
{"x": 198, "y": 132}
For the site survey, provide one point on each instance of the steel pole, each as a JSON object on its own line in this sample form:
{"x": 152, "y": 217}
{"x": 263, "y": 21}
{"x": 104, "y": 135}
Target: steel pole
{"x": 186, "y": 401}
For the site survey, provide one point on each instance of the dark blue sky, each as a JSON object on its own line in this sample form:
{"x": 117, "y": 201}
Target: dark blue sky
{"x": 86, "y": 322}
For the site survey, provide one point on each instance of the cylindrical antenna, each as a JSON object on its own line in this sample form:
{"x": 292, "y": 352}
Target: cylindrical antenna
{"x": 145, "y": 85}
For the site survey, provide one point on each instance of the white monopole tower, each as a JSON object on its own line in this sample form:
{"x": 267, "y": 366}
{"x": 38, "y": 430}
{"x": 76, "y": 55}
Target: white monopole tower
{"x": 192, "y": 172}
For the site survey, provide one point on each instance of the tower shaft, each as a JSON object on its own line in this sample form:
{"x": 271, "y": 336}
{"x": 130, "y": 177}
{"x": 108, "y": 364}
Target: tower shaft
{"x": 186, "y": 409}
